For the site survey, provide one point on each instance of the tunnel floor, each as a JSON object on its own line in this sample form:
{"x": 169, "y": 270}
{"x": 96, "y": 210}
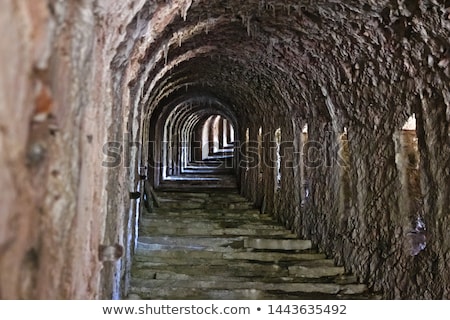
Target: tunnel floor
{"x": 210, "y": 243}
{"x": 214, "y": 172}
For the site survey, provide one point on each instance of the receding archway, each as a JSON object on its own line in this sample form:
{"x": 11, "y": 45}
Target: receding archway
{"x": 193, "y": 142}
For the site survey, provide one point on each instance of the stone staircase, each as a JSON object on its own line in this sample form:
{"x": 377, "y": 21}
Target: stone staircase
{"x": 211, "y": 244}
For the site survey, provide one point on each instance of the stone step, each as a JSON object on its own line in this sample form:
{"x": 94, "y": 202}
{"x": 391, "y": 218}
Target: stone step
{"x": 181, "y": 204}
{"x": 272, "y": 256}
{"x": 253, "y": 215}
{"x": 225, "y": 255}
{"x": 327, "y": 288}
{"x": 198, "y": 245}
{"x": 315, "y": 271}
{"x": 215, "y": 245}
{"x": 278, "y": 244}
{"x": 213, "y": 224}
{"x": 230, "y": 268}
{"x": 224, "y": 258}
{"x": 217, "y": 267}
{"x": 203, "y": 198}
{"x": 184, "y": 195}
{"x": 246, "y": 294}
{"x": 151, "y": 225}
{"x": 158, "y": 274}
{"x": 197, "y": 294}
{"x": 229, "y": 232}
{"x": 147, "y": 286}
{"x": 257, "y": 232}
{"x": 183, "y": 224}
{"x": 207, "y": 196}
{"x": 219, "y": 243}
{"x": 185, "y": 256}
{"x": 198, "y": 204}
{"x": 231, "y": 206}
{"x": 225, "y": 221}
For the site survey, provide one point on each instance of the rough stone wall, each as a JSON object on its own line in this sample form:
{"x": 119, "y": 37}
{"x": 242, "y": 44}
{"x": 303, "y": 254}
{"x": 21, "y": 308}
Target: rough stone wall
{"x": 377, "y": 230}
{"x": 46, "y": 214}
{"x": 59, "y": 203}
{"x": 433, "y": 135}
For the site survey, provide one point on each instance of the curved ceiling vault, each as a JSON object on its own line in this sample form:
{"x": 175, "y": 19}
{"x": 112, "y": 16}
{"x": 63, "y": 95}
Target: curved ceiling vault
{"x": 278, "y": 58}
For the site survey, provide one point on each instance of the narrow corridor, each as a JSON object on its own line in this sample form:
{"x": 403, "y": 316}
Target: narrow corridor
{"x": 212, "y": 244}
{"x": 275, "y": 134}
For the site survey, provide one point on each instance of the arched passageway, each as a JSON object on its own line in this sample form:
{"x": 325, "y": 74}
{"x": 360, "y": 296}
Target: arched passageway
{"x": 300, "y": 105}
{"x": 193, "y": 143}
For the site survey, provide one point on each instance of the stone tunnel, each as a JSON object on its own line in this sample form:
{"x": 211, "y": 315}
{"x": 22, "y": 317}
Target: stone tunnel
{"x": 332, "y": 117}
